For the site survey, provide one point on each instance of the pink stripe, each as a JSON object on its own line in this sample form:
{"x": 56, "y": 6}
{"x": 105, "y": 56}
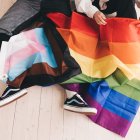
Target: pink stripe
{"x": 108, "y": 119}
{"x": 30, "y": 35}
{"x": 29, "y": 50}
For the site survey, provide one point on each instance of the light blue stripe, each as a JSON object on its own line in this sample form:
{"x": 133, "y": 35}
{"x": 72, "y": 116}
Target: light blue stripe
{"x": 113, "y": 101}
{"x": 41, "y": 37}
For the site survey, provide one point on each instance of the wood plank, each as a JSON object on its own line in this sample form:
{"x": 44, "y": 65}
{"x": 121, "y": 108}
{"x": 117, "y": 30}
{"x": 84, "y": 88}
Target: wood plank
{"x": 56, "y": 128}
{"x": 69, "y": 125}
{"x": 26, "y": 116}
{"x": 13, "y": 1}
{"x": 99, "y": 133}
{"x": 7, "y": 114}
{"x": 4, "y": 6}
{"x": 45, "y": 114}
{"x": 82, "y": 127}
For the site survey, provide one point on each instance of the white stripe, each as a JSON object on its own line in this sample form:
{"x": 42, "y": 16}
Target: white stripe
{"x": 16, "y": 43}
{"x": 9, "y": 91}
{"x": 73, "y": 100}
{"x": 3, "y": 53}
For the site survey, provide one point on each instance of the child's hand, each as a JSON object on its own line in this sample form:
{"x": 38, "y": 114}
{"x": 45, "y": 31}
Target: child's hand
{"x": 100, "y": 18}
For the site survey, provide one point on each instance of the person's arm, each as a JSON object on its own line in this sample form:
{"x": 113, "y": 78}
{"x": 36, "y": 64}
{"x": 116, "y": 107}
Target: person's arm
{"x": 86, "y": 7}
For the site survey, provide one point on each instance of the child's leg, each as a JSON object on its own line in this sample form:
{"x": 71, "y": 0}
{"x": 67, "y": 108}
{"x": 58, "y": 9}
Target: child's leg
{"x": 9, "y": 93}
{"x": 74, "y": 102}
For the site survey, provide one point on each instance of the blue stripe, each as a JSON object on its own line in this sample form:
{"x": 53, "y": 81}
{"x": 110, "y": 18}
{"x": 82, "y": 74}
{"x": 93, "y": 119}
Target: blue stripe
{"x": 40, "y": 34}
{"x": 113, "y": 101}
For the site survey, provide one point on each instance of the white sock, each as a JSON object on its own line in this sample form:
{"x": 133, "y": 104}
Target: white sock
{"x": 70, "y": 94}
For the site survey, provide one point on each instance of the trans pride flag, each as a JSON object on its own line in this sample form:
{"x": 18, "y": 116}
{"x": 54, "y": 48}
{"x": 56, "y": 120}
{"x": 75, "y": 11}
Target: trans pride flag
{"x": 29, "y": 58}
{"x": 102, "y": 60}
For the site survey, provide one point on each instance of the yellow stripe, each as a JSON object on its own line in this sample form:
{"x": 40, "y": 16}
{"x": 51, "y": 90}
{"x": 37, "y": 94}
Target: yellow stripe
{"x": 103, "y": 67}
{"x": 135, "y": 68}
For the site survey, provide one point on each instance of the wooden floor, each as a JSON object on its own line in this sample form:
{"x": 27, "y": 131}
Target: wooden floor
{"x": 39, "y": 115}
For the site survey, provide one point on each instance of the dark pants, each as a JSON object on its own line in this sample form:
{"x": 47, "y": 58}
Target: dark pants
{"x": 61, "y": 6}
{"x": 124, "y": 8}
{"x": 4, "y": 37}
{"x": 21, "y": 15}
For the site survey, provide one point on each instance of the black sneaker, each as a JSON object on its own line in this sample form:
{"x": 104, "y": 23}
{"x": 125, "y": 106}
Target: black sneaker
{"x": 10, "y": 94}
{"x": 77, "y": 104}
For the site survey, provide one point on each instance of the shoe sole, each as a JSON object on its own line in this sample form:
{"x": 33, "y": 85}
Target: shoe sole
{"x": 87, "y": 111}
{"x": 12, "y": 98}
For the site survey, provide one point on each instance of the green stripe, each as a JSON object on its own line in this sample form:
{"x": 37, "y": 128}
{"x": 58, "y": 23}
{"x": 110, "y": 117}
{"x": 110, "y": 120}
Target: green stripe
{"x": 130, "y": 88}
{"x": 120, "y": 77}
{"x": 81, "y": 78}
{"x": 117, "y": 81}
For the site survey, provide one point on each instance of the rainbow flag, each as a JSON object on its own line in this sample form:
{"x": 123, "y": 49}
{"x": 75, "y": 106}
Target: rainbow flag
{"x": 110, "y": 62}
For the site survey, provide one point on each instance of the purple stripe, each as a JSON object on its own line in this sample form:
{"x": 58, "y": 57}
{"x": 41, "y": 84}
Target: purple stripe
{"x": 108, "y": 119}
{"x": 72, "y": 87}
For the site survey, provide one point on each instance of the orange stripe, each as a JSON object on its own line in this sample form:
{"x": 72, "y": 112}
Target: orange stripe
{"x": 83, "y": 44}
{"x": 128, "y": 53}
